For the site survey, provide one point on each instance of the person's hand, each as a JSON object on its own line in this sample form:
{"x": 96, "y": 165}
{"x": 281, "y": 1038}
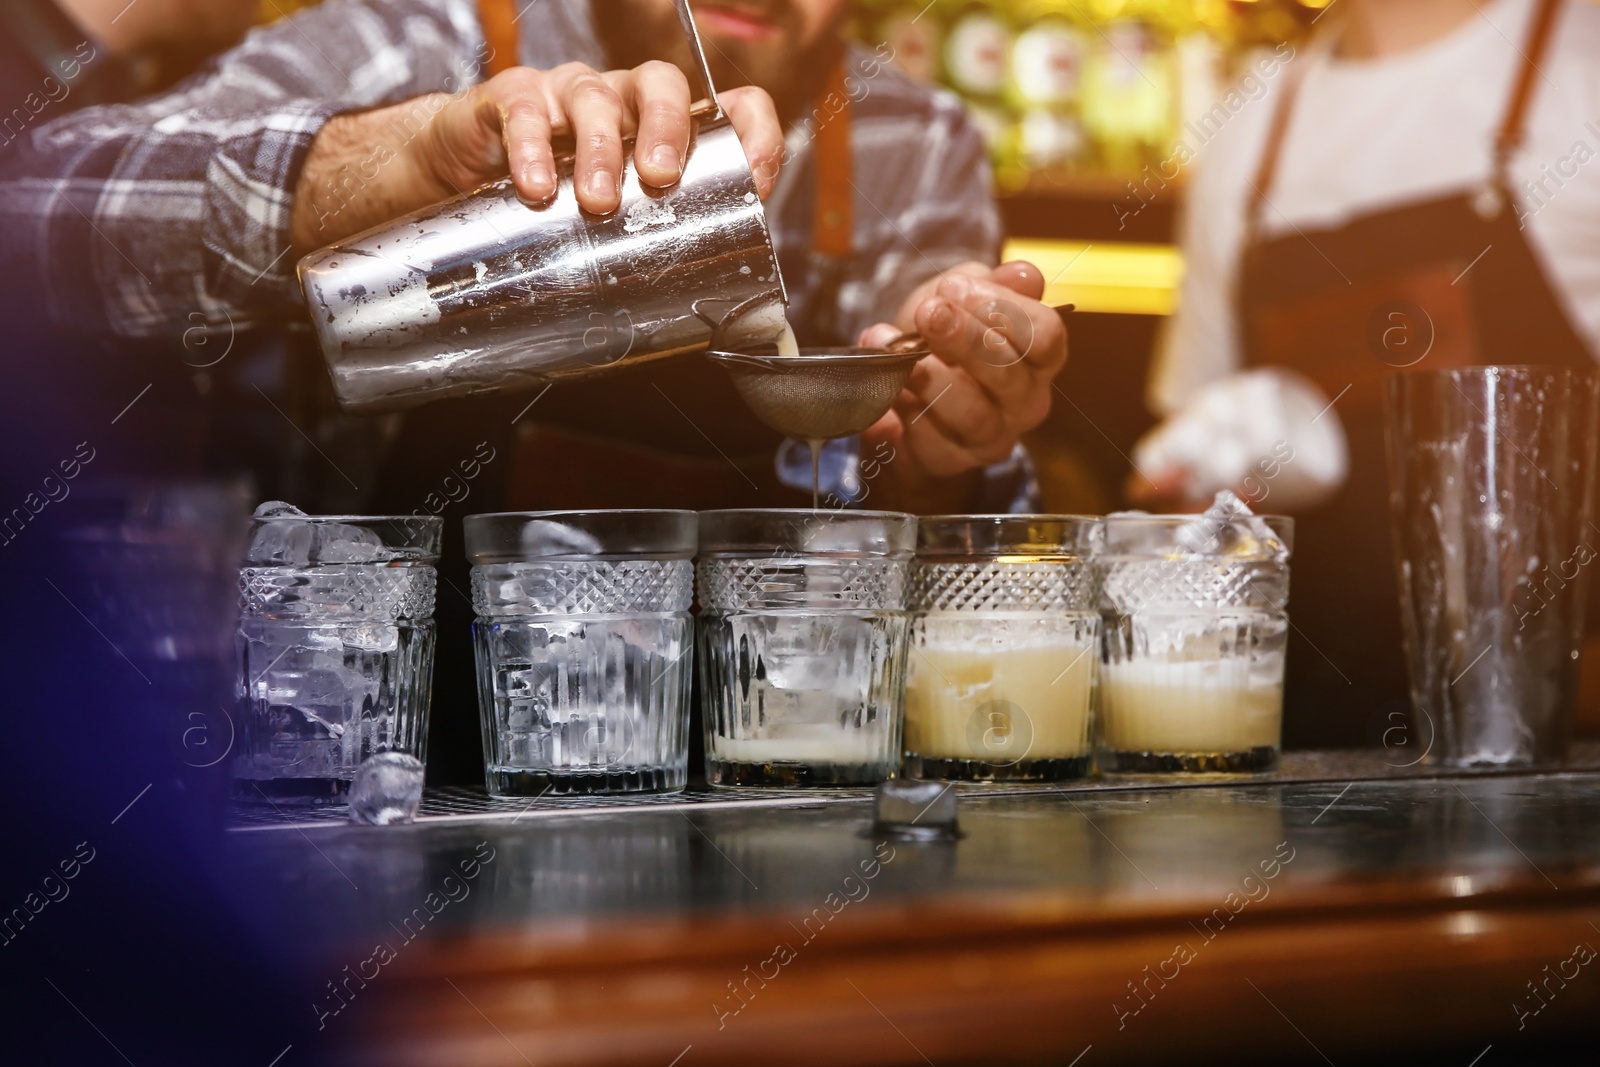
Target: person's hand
{"x": 365, "y": 169}
{"x": 996, "y": 350}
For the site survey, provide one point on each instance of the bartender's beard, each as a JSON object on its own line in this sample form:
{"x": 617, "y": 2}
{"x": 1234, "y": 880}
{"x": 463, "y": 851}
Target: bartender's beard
{"x": 791, "y": 69}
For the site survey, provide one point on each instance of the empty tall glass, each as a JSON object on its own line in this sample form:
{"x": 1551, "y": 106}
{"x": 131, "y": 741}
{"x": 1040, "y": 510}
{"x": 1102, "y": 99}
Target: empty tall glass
{"x": 803, "y": 631}
{"x": 584, "y": 648}
{"x": 1491, "y": 481}
{"x": 335, "y": 646}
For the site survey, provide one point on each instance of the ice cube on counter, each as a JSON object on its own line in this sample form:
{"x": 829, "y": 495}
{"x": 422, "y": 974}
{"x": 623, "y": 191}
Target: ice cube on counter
{"x": 908, "y": 808}
{"x": 387, "y": 790}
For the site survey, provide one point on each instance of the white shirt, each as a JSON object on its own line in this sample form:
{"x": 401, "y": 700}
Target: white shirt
{"x": 1370, "y": 135}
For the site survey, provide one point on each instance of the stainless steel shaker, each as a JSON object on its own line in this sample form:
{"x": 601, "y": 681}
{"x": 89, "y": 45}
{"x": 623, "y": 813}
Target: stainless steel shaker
{"x": 485, "y": 292}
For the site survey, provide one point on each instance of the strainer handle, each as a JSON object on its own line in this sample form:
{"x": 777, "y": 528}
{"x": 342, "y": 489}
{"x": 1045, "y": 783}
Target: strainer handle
{"x": 707, "y": 109}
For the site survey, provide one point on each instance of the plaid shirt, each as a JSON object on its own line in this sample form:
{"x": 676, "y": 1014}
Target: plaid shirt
{"x": 153, "y": 219}
{"x": 129, "y": 219}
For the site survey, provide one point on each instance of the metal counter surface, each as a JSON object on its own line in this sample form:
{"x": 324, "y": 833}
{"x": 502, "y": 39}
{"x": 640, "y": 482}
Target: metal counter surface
{"x": 1343, "y": 909}
{"x": 1346, "y": 819}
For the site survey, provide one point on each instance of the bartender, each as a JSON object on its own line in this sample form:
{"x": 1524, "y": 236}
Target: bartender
{"x": 1413, "y": 192}
{"x": 139, "y": 221}
{"x": 131, "y": 222}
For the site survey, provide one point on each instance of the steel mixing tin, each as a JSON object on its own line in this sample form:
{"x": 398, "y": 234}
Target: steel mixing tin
{"x": 485, "y": 291}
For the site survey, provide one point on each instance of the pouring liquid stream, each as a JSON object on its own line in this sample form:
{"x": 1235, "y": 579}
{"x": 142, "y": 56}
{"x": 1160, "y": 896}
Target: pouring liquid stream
{"x": 788, "y": 346}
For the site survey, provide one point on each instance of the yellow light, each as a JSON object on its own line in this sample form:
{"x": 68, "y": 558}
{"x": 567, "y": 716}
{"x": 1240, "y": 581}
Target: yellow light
{"x": 1111, "y": 276}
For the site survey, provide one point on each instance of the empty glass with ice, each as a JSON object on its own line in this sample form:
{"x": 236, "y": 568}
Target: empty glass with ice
{"x": 335, "y": 649}
{"x": 803, "y": 630}
{"x": 584, "y": 649}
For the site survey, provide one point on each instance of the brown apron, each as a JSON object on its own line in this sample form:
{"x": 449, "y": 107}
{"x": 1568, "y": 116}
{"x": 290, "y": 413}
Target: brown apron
{"x": 674, "y": 434}
{"x": 1448, "y": 282}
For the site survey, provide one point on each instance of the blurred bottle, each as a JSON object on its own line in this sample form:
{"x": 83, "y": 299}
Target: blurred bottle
{"x": 977, "y": 54}
{"x": 1068, "y": 90}
{"x": 915, "y": 32}
{"x": 1130, "y": 92}
{"x": 1044, "y": 83}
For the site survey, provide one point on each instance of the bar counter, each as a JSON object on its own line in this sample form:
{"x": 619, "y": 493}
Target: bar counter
{"x": 1342, "y": 909}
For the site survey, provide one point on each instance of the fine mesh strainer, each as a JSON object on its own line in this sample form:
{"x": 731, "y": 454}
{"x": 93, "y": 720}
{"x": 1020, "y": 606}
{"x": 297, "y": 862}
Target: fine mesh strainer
{"x": 822, "y": 393}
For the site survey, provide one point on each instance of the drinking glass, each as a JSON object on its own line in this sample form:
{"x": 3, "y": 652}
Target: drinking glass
{"x": 584, "y": 649}
{"x": 803, "y": 631}
{"x": 1191, "y": 676}
{"x": 1005, "y": 640}
{"x": 335, "y": 650}
{"x": 1491, "y": 483}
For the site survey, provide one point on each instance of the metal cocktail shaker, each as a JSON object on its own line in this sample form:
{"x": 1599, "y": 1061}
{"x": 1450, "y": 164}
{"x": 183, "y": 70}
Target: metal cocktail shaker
{"x": 484, "y": 292}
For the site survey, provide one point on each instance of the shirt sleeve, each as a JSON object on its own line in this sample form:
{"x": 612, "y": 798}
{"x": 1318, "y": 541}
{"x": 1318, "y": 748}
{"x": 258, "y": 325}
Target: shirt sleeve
{"x": 131, "y": 219}
{"x": 920, "y": 211}
{"x": 1199, "y": 344}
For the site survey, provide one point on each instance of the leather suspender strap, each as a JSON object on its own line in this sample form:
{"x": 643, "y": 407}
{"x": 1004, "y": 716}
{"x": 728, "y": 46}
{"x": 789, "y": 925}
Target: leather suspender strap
{"x": 1267, "y": 168}
{"x": 833, "y": 229}
{"x": 1509, "y": 137}
{"x": 499, "y": 20}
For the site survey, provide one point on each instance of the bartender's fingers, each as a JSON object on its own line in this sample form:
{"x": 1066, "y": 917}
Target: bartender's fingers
{"x": 949, "y": 400}
{"x": 1010, "y": 327}
{"x": 755, "y": 120}
{"x": 478, "y": 134}
{"x": 592, "y": 109}
{"x": 657, "y": 95}
{"x": 962, "y": 340}
{"x": 1012, "y": 345}
{"x": 878, "y": 336}
{"x": 525, "y": 127}
{"x": 933, "y": 450}
{"x": 1014, "y": 403}
{"x": 1020, "y": 276}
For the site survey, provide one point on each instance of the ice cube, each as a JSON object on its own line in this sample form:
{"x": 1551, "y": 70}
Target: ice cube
{"x": 274, "y": 508}
{"x": 372, "y": 637}
{"x": 316, "y": 639}
{"x": 544, "y": 537}
{"x": 335, "y": 729}
{"x": 387, "y": 790}
{"x": 1229, "y": 528}
{"x": 338, "y": 542}
{"x": 909, "y": 808}
{"x": 282, "y": 542}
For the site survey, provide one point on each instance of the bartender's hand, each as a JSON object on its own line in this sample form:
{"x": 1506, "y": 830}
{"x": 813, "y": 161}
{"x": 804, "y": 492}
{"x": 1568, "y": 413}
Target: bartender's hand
{"x": 996, "y": 349}
{"x": 365, "y": 168}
